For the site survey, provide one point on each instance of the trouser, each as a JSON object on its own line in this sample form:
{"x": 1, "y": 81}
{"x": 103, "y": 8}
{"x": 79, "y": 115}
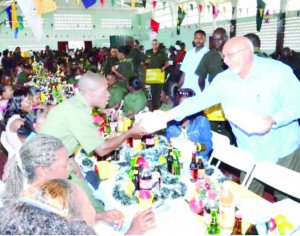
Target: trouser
{"x": 223, "y": 127}
{"x": 156, "y": 91}
{"x": 291, "y": 161}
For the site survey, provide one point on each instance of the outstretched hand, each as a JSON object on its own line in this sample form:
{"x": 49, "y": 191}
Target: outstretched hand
{"x": 142, "y": 222}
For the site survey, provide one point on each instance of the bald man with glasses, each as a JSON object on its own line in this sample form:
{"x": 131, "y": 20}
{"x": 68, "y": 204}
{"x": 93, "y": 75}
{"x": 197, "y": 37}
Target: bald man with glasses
{"x": 266, "y": 88}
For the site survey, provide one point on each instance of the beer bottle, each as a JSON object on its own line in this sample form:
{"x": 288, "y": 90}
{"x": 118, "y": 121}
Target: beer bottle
{"x": 194, "y": 168}
{"x": 237, "y": 229}
{"x": 135, "y": 178}
{"x": 170, "y": 159}
{"x": 252, "y": 230}
{"x": 201, "y": 169}
{"x": 214, "y": 228}
{"x": 176, "y": 163}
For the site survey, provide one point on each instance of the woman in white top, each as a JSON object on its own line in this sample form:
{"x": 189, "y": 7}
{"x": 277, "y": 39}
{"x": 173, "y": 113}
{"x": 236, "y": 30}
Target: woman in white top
{"x": 19, "y": 104}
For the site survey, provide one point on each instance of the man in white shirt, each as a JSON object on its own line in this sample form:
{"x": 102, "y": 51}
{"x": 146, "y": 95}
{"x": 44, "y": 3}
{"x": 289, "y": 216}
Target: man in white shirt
{"x": 191, "y": 61}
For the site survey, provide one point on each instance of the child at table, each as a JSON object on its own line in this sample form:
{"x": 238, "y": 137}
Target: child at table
{"x": 135, "y": 101}
{"x": 168, "y": 95}
{"x": 195, "y": 127}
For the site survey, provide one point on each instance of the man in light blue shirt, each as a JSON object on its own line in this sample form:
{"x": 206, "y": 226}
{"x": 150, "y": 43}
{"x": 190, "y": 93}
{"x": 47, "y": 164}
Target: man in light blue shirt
{"x": 265, "y": 87}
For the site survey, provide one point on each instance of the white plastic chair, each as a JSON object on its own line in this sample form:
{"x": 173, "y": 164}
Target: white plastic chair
{"x": 6, "y": 145}
{"x": 278, "y": 177}
{"x": 235, "y": 157}
{"x": 219, "y": 139}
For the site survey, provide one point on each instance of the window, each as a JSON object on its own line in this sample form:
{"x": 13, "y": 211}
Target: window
{"x": 72, "y": 22}
{"x": 163, "y": 16}
{"x": 116, "y": 23}
{"x": 291, "y": 35}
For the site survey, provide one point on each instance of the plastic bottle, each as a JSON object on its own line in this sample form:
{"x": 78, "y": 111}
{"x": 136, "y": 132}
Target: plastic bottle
{"x": 146, "y": 177}
{"x": 226, "y": 208}
{"x": 209, "y": 204}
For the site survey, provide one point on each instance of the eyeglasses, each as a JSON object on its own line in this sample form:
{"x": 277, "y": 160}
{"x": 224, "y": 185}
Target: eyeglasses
{"x": 230, "y": 55}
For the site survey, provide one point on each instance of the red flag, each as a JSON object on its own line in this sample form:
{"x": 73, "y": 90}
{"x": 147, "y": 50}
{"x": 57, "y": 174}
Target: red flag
{"x": 154, "y": 25}
{"x": 102, "y": 2}
{"x": 154, "y": 4}
{"x": 215, "y": 11}
{"x": 200, "y": 7}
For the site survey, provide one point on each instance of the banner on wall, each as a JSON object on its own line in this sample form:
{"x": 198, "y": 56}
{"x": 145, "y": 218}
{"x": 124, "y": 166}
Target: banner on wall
{"x": 34, "y": 20}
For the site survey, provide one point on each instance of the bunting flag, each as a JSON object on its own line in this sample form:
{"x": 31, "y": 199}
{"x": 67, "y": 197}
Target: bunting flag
{"x": 102, "y": 2}
{"x": 267, "y": 17}
{"x": 215, "y": 11}
{"x": 88, "y": 3}
{"x": 154, "y": 4}
{"x": 112, "y": 2}
{"x": 34, "y": 20}
{"x": 180, "y": 18}
{"x": 154, "y": 25}
{"x": 224, "y": 9}
{"x": 16, "y": 31}
{"x": 200, "y": 7}
{"x": 8, "y": 11}
{"x": 14, "y": 16}
{"x": 259, "y": 14}
{"x": 144, "y": 3}
{"x": 45, "y": 6}
{"x": 208, "y": 8}
{"x": 164, "y": 5}
{"x": 21, "y": 24}
{"x": 78, "y": 2}
{"x": 233, "y": 9}
{"x": 192, "y": 6}
{"x": 133, "y": 3}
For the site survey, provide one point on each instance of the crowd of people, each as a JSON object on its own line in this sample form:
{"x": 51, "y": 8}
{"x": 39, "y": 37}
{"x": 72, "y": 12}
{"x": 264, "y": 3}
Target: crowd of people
{"x": 234, "y": 73}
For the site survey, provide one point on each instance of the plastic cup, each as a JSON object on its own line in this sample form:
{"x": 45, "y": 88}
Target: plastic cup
{"x": 103, "y": 169}
{"x": 145, "y": 203}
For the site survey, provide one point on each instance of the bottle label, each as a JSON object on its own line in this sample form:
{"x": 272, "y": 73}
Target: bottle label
{"x": 145, "y": 184}
{"x": 149, "y": 141}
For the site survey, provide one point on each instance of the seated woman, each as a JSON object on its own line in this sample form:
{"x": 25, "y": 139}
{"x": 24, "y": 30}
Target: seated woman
{"x": 195, "y": 128}
{"x": 116, "y": 92}
{"x": 44, "y": 157}
{"x": 50, "y": 207}
{"x": 19, "y": 105}
{"x": 135, "y": 101}
{"x": 168, "y": 95}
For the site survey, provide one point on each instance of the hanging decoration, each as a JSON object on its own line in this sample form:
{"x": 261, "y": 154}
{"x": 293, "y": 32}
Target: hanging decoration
{"x": 154, "y": 25}
{"x": 180, "y": 18}
{"x": 224, "y": 10}
{"x": 112, "y": 2}
{"x": 78, "y": 2}
{"x": 33, "y": 19}
{"x": 298, "y": 13}
{"x": 200, "y": 7}
{"x": 192, "y": 6}
{"x": 45, "y": 6}
{"x": 88, "y": 3}
{"x": 259, "y": 14}
{"x": 233, "y": 10}
{"x": 240, "y": 11}
{"x": 102, "y": 2}
{"x": 274, "y": 13}
{"x": 267, "y": 17}
{"x": 21, "y": 24}
{"x": 133, "y": 3}
{"x": 8, "y": 11}
{"x": 215, "y": 11}
{"x": 144, "y": 3}
{"x": 208, "y": 8}
{"x": 154, "y": 4}
{"x": 164, "y": 5}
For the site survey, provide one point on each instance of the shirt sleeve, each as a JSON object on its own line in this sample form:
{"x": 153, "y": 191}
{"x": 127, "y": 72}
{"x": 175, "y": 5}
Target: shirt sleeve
{"x": 287, "y": 98}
